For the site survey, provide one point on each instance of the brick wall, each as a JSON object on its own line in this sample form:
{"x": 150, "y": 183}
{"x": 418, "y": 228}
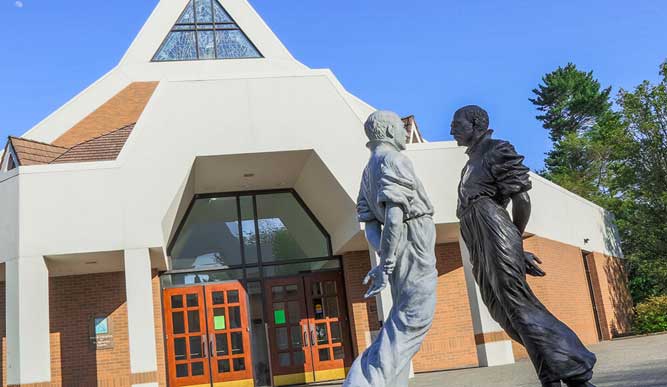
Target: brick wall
{"x": 612, "y": 297}
{"x": 74, "y": 301}
{"x": 564, "y": 290}
{"x": 451, "y": 342}
{"x": 159, "y": 332}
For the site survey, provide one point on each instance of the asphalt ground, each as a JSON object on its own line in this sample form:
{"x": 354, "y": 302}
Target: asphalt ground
{"x": 629, "y": 362}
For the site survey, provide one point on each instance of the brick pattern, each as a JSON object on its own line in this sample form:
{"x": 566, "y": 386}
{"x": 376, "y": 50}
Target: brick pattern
{"x": 159, "y": 332}
{"x": 612, "y": 297}
{"x": 451, "y": 342}
{"x": 564, "y": 290}
{"x": 30, "y": 152}
{"x": 105, "y": 147}
{"x": 362, "y": 312}
{"x": 121, "y": 110}
{"x": 491, "y": 337}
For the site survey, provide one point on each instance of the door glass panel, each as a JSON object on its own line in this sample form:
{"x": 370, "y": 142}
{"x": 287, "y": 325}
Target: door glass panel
{"x": 177, "y": 301}
{"x": 181, "y": 370}
{"x": 281, "y": 338}
{"x": 197, "y": 369}
{"x": 284, "y": 359}
{"x": 234, "y": 317}
{"x": 294, "y": 312}
{"x": 237, "y": 343}
{"x": 239, "y": 364}
{"x": 322, "y": 334}
{"x": 192, "y": 300}
{"x": 299, "y": 358}
{"x": 193, "y": 321}
{"x": 331, "y": 308}
{"x": 219, "y": 321}
{"x": 278, "y": 292}
{"x": 223, "y": 366}
{"x": 221, "y": 348}
{"x": 324, "y": 354}
{"x": 319, "y": 308}
{"x": 330, "y": 288}
{"x": 233, "y": 296}
{"x": 335, "y": 333}
{"x": 195, "y": 347}
{"x": 292, "y": 291}
{"x": 317, "y": 289}
{"x": 178, "y": 321}
{"x": 296, "y": 337}
{"x": 279, "y": 313}
{"x": 179, "y": 349}
{"x": 339, "y": 353}
{"x": 218, "y": 298}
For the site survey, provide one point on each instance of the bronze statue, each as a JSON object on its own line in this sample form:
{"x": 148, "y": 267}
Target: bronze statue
{"x": 493, "y": 176}
{"x": 399, "y": 226}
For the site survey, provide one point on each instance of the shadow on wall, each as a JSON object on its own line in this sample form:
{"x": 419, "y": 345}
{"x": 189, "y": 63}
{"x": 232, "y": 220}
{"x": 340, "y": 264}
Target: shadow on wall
{"x": 75, "y": 302}
{"x": 617, "y": 279}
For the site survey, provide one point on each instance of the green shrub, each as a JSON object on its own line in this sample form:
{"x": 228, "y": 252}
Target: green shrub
{"x": 651, "y": 315}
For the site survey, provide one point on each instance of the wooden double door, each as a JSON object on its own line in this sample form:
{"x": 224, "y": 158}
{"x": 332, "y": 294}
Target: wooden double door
{"x": 309, "y": 337}
{"x": 207, "y": 336}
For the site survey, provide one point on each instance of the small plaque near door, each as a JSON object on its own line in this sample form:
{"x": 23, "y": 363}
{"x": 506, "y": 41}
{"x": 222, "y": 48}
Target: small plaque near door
{"x": 101, "y": 336}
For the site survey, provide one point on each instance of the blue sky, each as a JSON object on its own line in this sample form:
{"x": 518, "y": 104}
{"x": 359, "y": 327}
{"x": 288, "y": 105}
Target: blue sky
{"x": 421, "y": 57}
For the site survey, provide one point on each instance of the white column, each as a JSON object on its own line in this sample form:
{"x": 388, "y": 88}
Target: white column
{"x": 140, "y": 321}
{"x": 27, "y": 315}
{"x": 490, "y": 351}
{"x": 384, "y": 300}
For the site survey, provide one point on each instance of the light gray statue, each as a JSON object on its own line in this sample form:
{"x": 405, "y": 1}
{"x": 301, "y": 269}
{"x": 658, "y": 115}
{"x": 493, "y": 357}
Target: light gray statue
{"x": 399, "y": 226}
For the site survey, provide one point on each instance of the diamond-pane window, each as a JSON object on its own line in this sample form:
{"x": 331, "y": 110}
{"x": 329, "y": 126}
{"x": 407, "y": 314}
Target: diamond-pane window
{"x": 205, "y": 31}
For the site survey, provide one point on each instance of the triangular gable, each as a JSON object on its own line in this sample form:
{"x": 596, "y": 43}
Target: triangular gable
{"x": 205, "y": 31}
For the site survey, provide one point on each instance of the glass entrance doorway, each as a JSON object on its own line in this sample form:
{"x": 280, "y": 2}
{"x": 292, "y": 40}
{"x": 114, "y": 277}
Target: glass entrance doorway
{"x": 307, "y": 324}
{"x": 207, "y": 336}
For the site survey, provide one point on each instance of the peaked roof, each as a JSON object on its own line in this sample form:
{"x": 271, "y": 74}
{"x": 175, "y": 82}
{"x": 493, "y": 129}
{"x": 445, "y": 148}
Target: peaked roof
{"x": 105, "y": 147}
{"x": 30, "y": 152}
{"x": 121, "y": 110}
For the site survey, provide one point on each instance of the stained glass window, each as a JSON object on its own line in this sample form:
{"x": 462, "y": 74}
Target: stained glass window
{"x": 205, "y": 31}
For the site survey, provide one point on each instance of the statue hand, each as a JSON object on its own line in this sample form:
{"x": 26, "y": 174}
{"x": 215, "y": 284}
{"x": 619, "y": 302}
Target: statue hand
{"x": 380, "y": 280}
{"x": 532, "y": 265}
{"x": 389, "y": 265}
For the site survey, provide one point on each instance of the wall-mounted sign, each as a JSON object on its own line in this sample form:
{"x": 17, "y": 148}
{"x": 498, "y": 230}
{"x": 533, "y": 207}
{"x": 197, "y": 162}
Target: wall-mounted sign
{"x": 100, "y": 330}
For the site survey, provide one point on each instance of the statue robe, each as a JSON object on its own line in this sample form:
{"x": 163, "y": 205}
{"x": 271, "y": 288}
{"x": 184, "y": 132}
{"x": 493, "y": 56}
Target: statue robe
{"x": 389, "y": 177}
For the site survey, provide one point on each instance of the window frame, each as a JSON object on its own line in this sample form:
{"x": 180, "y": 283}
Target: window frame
{"x": 216, "y": 26}
{"x": 260, "y": 263}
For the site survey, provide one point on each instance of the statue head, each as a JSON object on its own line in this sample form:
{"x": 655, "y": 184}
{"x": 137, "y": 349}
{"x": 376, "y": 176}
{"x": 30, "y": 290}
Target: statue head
{"x": 469, "y": 123}
{"x": 385, "y": 126}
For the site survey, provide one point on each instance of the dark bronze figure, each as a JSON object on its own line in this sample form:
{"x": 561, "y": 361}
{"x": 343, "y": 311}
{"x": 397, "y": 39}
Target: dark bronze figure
{"x": 493, "y": 176}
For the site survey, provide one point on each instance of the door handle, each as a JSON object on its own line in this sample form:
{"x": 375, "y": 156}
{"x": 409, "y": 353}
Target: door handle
{"x": 312, "y": 337}
{"x": 305, "y": 337}
{"x": 210, "y": 348}
{"x": 204, "y": 347}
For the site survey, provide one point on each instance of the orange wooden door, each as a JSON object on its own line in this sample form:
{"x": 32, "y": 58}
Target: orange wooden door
{"x": 329, "y": 332}
{"x": 289, "y": 335}
{"x": 187, "y": 344}
{"x": 229, "y": 335}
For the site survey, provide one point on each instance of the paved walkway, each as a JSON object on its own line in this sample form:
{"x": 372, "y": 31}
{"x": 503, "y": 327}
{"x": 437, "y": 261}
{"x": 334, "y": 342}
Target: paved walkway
{"x": 632, "y": 362}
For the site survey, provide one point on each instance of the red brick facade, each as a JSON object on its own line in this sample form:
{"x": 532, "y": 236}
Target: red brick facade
{"x": 75, "y": 300}
{"x": 451, "y": 341}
